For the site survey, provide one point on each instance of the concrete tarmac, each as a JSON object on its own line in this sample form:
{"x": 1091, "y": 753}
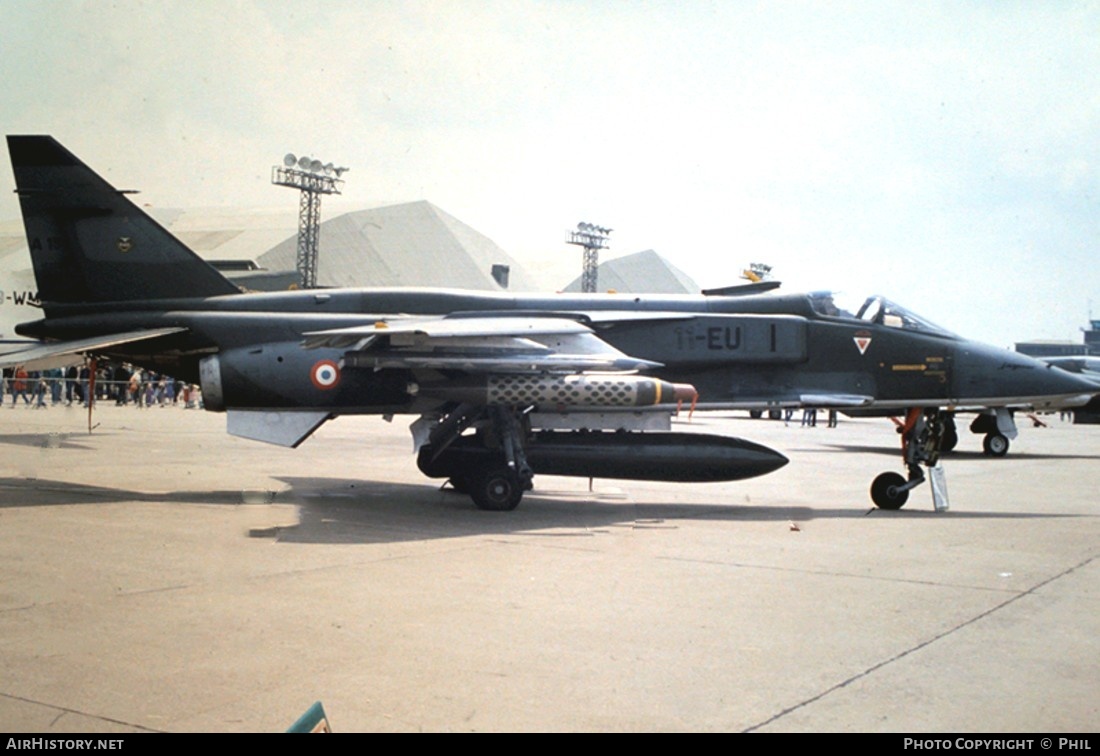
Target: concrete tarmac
{"x": 160, "y": 575}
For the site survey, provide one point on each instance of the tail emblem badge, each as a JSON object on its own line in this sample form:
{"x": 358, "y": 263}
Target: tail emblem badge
{"x": 125, "y": 244}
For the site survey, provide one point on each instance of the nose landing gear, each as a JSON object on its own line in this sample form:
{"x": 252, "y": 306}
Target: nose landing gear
{"x": 922, "y": 440}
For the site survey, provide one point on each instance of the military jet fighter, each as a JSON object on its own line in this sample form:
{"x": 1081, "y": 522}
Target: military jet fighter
{"x": 539, "y": 390}
{"x": 539, "y": 379}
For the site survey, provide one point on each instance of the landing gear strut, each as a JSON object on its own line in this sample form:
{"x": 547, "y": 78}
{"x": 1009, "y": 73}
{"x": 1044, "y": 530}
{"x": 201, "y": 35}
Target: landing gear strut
{"x": 950, "y": 433}
{"x": 922, "y": 440}
{"x": 497, "y": 477}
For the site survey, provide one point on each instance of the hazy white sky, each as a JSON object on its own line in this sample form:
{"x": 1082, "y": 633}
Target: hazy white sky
{"x": 946, "y": 155}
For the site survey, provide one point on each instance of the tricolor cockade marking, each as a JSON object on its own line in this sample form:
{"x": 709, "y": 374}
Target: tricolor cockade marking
{"x": 325, "y": 375}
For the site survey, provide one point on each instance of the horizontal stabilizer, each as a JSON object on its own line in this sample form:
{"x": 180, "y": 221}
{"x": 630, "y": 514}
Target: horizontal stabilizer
{"x": 56, "y": 354}
{"x": 272, "y": 427}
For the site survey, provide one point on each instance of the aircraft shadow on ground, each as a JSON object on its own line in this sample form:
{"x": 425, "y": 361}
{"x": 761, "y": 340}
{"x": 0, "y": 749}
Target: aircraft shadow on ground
{"x": 338, "y": 510}
{"x": 342, "y": 510}
{"x": 348, "y": 511}
{"x": 37, "y": 492}
{"x": 65, "y": 440}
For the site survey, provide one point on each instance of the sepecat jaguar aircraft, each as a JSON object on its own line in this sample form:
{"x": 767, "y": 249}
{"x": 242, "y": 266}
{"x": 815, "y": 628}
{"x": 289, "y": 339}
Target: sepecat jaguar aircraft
{"x": 504, "y": 386}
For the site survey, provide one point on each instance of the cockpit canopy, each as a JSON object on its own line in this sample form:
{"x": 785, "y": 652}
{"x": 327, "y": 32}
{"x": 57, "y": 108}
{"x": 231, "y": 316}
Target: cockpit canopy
{"x": 875, "y": 309}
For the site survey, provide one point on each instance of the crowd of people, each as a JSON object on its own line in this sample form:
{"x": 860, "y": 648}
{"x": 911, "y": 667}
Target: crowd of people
{"x": 809, "y": 417}
{"x": 121, "y": 383}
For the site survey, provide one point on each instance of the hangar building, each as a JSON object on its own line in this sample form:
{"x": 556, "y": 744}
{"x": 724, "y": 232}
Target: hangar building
{"x": 640, "y": 272}
{"x": 409, "y": 244}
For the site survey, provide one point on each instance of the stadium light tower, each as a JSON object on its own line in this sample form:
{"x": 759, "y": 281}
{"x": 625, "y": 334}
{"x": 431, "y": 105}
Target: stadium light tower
{"x": 757, "y": 272}
{"x": 593, "y": 238}
{"x": 313, "y": 178}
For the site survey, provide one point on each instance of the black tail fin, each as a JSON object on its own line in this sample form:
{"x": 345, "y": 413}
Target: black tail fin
{"x": 89, "y": 243}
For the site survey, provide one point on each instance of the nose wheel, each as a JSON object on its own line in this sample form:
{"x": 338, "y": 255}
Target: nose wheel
{"x": 888, "y": 491}
{"x": 923, "y": 436}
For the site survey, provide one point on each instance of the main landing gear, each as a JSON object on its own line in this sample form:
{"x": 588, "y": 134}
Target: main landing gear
{"x": 995, "y": 443}
{"x": 496, "y": 473}
{"x": 495, "y": 463}
{"x": 922, "y": 440}
{"x": 997, "y": 425}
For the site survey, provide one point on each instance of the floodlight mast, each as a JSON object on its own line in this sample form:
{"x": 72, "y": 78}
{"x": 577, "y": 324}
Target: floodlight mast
{"x": 593, "y": 238}
{"x": 313, "y": 178}
{"x": 757, "y": 272}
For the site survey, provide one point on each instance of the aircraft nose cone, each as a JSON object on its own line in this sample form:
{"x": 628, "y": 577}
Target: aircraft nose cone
{"x": 985, "y": 372}
{"x": 1074, "y": 389}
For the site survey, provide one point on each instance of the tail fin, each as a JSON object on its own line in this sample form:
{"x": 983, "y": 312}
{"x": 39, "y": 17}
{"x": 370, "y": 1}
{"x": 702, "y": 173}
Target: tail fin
{"x": 89, "y": 243}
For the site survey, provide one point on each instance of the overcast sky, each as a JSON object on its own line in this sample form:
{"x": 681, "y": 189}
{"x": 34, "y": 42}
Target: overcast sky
{"x": 946, "y": 155}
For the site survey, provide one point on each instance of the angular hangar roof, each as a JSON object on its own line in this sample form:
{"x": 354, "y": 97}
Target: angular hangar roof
{"x": 414, "y": 243}
{"x": 645, "y": 271}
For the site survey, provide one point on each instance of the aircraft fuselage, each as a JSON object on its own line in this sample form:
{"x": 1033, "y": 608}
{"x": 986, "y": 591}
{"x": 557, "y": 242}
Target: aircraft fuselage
{"x": 748, "y": 351}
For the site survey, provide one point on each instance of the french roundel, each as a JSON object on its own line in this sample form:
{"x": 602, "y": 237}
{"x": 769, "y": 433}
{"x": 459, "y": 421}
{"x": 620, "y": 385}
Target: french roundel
{"x": 325, "y": 374}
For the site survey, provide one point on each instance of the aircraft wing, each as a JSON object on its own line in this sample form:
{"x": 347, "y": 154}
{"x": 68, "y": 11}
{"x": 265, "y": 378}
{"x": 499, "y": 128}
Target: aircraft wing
{"x": 486, "y": 324}
{"x": 835, "y": 401}
{"x": 445, "y": 327}
{"x": 792, "y": 400}
{"x": 44, "y": 356}
{"x": 509, "y": 344}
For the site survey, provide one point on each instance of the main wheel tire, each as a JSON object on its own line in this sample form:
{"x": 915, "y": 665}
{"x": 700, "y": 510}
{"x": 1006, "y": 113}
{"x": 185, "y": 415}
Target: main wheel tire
{"x": 995, "y": 445}
{"x": 950, "y": 439}
{"x": 756, "y": 414}
{"x": 885, "y": 493}
{"x": 496, "y": 489}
